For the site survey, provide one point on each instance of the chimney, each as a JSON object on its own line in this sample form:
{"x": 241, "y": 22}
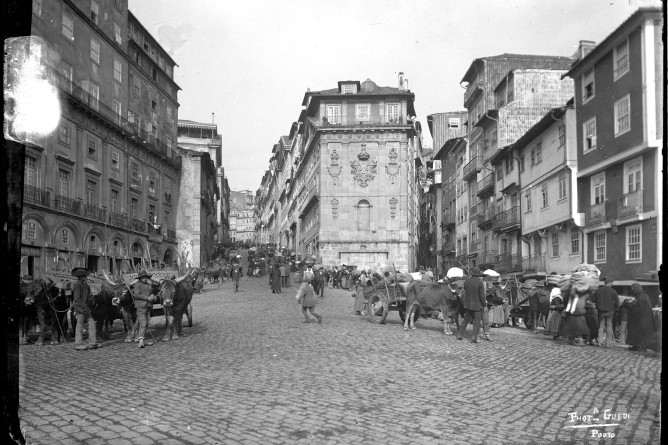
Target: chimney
{"x": 584, "y": 48}
{"x": 401, "y": 80}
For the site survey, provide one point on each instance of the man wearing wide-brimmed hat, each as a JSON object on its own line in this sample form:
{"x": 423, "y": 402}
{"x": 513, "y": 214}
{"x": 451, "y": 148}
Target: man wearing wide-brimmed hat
{"x": 473, "y": 301}
{"x": 81, "y": 304}
{"x": 143, "y": 298}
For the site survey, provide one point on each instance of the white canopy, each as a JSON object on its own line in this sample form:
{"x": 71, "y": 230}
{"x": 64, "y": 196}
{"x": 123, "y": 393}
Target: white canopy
{"x": 455, "y": 272}
{"x": 491, "y": 273}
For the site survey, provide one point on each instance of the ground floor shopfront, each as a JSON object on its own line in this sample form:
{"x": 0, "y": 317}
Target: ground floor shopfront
{"x": 53, "y": 242}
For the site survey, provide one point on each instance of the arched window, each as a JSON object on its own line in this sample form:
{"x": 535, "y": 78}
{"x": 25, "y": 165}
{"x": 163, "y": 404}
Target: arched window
{"x": 363, "y": 215}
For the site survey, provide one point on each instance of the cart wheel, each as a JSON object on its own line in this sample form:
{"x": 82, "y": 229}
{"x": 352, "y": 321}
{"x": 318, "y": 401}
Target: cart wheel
{"x": 189, "y": 314}
{"x": 378, "y": 309}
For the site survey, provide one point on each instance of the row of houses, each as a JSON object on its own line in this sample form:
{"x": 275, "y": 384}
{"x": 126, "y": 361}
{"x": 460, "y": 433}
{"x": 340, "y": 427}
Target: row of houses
{"x": 121, "y": 182}
{"x": 559, "y": 162}
{"x": 341, "y": 185}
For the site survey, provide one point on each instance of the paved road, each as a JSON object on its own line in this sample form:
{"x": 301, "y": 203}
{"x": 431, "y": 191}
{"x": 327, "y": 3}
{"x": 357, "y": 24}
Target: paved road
{"x": 251, "y": 372}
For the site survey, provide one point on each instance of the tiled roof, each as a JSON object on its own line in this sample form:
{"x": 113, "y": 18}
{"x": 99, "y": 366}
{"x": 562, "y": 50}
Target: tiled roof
{"x": 535, "y": 61}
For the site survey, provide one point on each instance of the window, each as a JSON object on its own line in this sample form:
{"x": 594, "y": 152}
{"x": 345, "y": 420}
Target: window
{"x": 91, "y": 192}
{"x": 118, "y": 71}
{"x": 65, "y": 237}
{"x": 31, "y": 176}
{"x": 92, "y": 147}
{"x": 575, "y": 241}
{"x": 555, "y": 244}
{"x": 64, "y": 134}
{"x": 348, "y": 88}
{"x": 533, "y": 157}
{"x": 600, "y": 241}
{"x": 151, "y": 183}
{"x": 589, "y": 134}
{"x": 362, "y": 112}
{"x": 117, "y": 34}
{"x": 64, "y": 183}
{"x": 393, "y": 113}
{"x": 633, "y": 176}
{"x": 136, "y": 88}
{"x": 68, "y": 74}
{"x": 453, "y": 122}
{"x": 31, "y": 231}
{"x": 598, "y": 189}
{"x": 563, "y": 187}
{"x": 621, "y": 59}
{"x": 544, "y": 196}
{"x": 94, "y": 93}
{"x": 154, "y": 73}
{"x": 94, "y": 11}
{"x": 634, "y": 243}
{"x": 134, "y": 172}
{"x": 68, "y": 27}
{"x": 115, "y": 160}
{"x": 334, "y": 114}
{"x": 509, "y": 165}
{"x": 133, "y": 207}
{"x": 539, "y": 153}
{"x": 527, "y": 198}
{"x": 562, "y": 136}
{"x": 95, "y": 51}
{"x": 151, "y": 212}
{"x": 170, "y": 112}
{"x": 588, "y": 86}
{"x": 37, "y": 7}
{"x": 623, "y": 115}
{"x": 131, "y": 116}
{"x": 118, "y": 109}
{"x": 521, "y": 162}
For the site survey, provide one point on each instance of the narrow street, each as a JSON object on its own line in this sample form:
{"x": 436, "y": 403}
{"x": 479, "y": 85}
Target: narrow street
{"x": 249, "y": 371}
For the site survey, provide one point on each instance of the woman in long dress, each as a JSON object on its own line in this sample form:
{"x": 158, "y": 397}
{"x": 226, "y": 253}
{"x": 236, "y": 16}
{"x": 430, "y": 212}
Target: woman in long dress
{"x": 554, "y": 316}
{"x": 497, "y": 315}
{"x": 574, "y": 324}
{"x": 641, "y": 329}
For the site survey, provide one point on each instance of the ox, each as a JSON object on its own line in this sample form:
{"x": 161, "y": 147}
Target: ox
{"x": 42, "y": 305}
{"x": 428, "y": 296}
{"x": 176, "y": 296}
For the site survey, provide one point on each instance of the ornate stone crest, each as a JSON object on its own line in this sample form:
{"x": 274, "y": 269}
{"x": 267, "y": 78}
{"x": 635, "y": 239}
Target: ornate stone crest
{"x": 393, "y": 207}
{"x": 334, "y": 168}
{"x": 363, "y": 169}
{"x": 392, "y": 168}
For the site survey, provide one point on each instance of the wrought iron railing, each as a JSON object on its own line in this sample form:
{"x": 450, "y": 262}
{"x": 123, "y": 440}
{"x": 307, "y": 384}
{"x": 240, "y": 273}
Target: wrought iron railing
{"x": 138, "y": 225}
{"x": 94, "y": 212}
{"x": 67, "y": 204}
{"x": 486, "y": 184}
{"x": 119, "y": 220}
{"x": 471, "y": 168}
{"x": 36, "y": 195}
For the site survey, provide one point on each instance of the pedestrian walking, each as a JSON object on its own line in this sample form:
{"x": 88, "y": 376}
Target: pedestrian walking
{"x": 275, "y": 278}
{"x": 236, "y": 275}
{"x": 554, "y": 315}
{"x": 143, "y": 298}
{"x": 306, "y": 298}
{"x": 284, "y": 274}
{"x": 473, "y": 302}
{"x": 607, "y": 303}
{"x": 81, "y": 305}
{"x": 591, "y": 317}
{"x": 641, "y": 329}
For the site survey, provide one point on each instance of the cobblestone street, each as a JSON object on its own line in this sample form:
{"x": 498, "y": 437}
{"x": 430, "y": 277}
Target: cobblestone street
{"x": 249, "y": 371}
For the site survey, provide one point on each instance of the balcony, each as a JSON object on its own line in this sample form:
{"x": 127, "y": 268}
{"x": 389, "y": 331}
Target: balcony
{"x": 69, "y": 205}
{"x": 472, "y": 91}
{"x": 630, "y": 205}
{"x": 138, "y": 225}
{"x": 509, "y": 180}
{"x": 507, "y": 220}
{"x": 486, "y": 217}
{"x": 119, "y": 220}
{"x": 473, "y": 210}
{"x": 486, "y": 186}
{"x": 509, "y": 263}
{"x": 36, "y": 195}
{"x": 154, "y": 233}
{"x": 449, "y": 219}
{"x": 95, "y": 212}
{"x": 475, "y": 247}
{"x": 471, "y": 169}
{"x": 596, "y": 214}
{"x": 351, "y": 122}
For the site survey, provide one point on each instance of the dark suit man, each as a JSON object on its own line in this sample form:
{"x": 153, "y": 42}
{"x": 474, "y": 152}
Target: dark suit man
{"x": 473, "y": 301}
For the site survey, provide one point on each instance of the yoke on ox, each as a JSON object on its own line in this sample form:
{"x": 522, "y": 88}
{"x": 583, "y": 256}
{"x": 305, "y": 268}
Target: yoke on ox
{"x": 425, "y": 297}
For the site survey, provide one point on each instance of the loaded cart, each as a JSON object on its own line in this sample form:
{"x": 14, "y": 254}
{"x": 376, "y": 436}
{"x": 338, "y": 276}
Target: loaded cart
{"x": 385, "y": 295}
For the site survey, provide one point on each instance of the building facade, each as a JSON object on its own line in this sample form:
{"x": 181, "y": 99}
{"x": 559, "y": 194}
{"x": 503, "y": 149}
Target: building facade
{"x": 196, "y": 221}
{"x": 101, "y": 191}
{"x": 505, "y": 95}
{"x": 204, "y": 137}
{"x": 242, "y": 216}
{"x": 619, "y": 123}
{"x": 551, "y": 225}
{"x": 341, "y": 186}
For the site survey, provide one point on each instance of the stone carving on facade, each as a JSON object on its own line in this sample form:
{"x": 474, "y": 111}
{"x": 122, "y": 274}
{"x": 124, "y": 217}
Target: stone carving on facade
{"x": 393, "y": 207}
{"x": 334, "y": 168}
{"x": 335, "y": 208}
{"x": 392, "y": 168}
{"x": 363, "y": 168}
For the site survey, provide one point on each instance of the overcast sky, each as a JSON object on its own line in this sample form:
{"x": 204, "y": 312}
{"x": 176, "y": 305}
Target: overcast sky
{"x": 251, "y": 61}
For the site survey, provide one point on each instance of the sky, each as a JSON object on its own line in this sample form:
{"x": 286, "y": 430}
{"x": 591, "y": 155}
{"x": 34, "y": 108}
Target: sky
{"x": 251, "y": 61}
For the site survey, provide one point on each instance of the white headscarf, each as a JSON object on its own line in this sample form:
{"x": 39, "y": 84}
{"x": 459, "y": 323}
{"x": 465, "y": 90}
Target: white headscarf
{"x": 554, "y": 293}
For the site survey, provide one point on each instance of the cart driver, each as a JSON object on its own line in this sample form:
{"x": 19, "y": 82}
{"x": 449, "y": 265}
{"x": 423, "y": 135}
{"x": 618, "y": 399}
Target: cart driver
{"x": 143, "y": 300}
